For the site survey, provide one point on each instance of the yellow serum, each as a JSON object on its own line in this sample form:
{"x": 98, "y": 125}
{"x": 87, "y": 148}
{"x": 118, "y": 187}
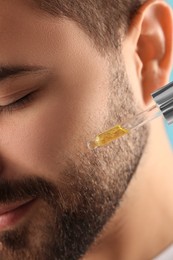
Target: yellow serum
{"x": 107, "y": 136}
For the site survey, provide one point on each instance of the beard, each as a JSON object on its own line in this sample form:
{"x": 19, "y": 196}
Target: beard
{"x": 70, "y": 215}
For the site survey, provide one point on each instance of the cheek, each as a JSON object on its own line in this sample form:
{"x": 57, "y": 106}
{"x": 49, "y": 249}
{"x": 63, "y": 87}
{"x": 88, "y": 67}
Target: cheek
{"x": 31, "y": 141}
{"x": 35, "y": 141}
{"x": 38, "y": 140}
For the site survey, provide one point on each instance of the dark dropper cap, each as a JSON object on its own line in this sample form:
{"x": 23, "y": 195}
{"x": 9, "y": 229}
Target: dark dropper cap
{"x": 164, "y": 99}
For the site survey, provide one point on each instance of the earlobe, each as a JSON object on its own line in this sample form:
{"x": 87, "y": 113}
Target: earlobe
{"x": 152, "y": 31}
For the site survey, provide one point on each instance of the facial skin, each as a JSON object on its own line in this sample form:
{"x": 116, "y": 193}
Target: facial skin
{"x": 43, "y": 152}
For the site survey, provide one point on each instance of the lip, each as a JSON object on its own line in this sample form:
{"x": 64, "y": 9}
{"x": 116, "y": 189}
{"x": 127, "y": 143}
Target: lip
{"x": 12, "y": 213}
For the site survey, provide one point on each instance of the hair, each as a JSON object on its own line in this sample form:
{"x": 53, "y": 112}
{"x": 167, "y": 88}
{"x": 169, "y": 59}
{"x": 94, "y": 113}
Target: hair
{"x": 105, "y": 21}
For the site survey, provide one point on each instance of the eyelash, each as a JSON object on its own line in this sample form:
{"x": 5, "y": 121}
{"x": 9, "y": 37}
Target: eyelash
{"x": 20, "y": 103}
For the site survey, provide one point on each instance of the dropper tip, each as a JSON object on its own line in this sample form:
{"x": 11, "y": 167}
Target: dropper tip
{"x": 92, "y": 145}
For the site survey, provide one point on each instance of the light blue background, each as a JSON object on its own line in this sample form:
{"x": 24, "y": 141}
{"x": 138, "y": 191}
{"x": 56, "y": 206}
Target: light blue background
{"x": 170, "y": 128}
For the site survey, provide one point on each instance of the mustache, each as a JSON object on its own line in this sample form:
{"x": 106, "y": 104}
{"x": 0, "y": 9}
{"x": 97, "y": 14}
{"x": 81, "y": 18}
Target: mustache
{"x": 26, "y": 188}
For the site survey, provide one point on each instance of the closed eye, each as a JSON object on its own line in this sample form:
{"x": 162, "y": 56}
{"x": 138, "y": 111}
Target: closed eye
{"x": 18, "y": 104}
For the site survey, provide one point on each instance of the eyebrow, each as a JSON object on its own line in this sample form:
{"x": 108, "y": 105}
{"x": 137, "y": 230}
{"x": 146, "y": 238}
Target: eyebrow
{"x": 10, "y": 72}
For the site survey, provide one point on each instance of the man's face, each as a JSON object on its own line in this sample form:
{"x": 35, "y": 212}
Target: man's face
{"x": 57, "y": 192}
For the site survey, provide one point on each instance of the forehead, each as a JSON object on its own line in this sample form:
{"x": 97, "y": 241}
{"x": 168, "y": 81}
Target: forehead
{"x": 28, "y": 34}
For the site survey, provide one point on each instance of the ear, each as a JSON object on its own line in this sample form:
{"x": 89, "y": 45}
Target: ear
{"x": 151, "y": 35}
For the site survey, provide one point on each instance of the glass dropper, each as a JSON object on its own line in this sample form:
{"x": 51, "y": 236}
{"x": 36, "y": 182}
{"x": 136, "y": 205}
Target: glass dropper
{"x": 163, "y": 105}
